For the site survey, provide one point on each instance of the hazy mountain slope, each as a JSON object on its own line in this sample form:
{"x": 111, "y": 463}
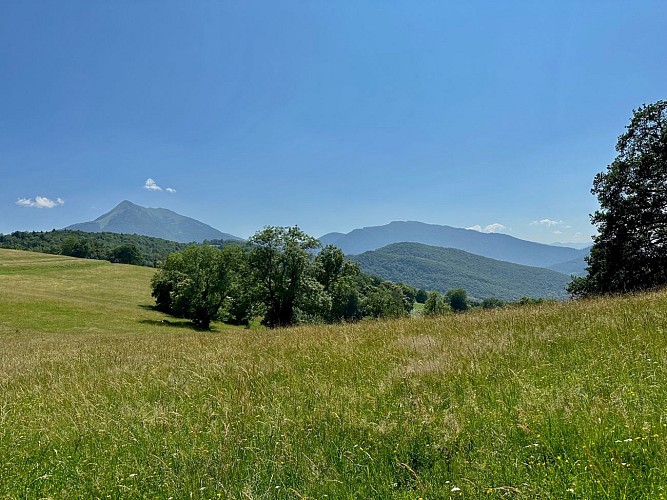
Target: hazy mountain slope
{"x": 129, "y": 218}
{"x": 575, "y": 267}
{"x": 492, "y": 245}
{"x": 435, "y": 268}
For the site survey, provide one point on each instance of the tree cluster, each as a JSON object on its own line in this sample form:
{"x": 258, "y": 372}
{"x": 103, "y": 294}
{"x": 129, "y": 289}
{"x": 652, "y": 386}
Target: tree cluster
{"x": 278, "y": 276}
{"x": 455, "y": 300}
{"x": 630, "y": 251}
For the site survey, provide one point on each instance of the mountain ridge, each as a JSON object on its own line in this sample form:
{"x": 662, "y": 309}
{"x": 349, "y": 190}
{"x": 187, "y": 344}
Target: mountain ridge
{"x": 130, "y": 218}
{"x": 491, "y": 245}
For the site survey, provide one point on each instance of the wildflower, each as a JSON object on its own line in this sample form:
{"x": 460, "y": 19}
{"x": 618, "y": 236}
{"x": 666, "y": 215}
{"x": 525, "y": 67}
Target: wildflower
{"x": 455, "y": 488}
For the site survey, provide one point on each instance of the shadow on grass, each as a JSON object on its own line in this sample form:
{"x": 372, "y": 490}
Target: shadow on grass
{"x": 148, "y": 307}
{"x": 175, "y": 324}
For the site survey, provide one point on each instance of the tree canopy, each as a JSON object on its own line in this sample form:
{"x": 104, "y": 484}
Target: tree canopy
{"x": 196, "y": 282}
{"x": 277, "y": 276}
{"x": 630, "y": 251}
{"x": 279, "y": 259}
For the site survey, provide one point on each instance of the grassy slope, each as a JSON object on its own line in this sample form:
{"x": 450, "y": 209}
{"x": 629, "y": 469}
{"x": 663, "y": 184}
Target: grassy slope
{"x": 98, "y": 397}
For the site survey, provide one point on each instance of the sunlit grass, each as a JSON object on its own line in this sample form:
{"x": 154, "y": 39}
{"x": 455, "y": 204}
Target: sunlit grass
{"x": 99, "y": 397}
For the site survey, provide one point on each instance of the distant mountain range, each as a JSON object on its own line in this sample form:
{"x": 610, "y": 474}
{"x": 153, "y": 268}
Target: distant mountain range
{"x": 423, "y": 255}
{"x": 441, "y": 269}
{"x": 128, "y": 218}
{"x": 492, "y": 245}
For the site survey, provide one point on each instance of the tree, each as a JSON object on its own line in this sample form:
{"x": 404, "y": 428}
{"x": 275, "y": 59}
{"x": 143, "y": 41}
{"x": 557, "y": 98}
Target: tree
{"x": 280, "y": 258}
{"x": 421, "y": 296}
{"x": 194, "y": 283}
{"x": 435, "y": 305}
{"x": 76, "y": 247}
{"x": 457, "y": 299}
{"x": 339, "y": 279}
{"x": 630, "y": 251}
{"x": 385, "y": 300}
{"x": 492, "y": 303}
{"x": 126, "y": 254}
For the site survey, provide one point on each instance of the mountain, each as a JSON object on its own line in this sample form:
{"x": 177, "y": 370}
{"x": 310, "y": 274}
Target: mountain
{"x": 492, "y": 245}
{"x": 128, "y": 218}
{"x": 436, "y": 268}
{"x": 578, "y": 246}
{"x": 576, "y": 266}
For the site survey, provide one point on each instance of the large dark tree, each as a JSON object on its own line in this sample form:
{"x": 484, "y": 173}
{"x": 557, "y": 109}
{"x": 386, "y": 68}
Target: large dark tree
{"x": 280, "y": 259}
{"x": 630, "y": 251}
{"x": 196, "y": 282}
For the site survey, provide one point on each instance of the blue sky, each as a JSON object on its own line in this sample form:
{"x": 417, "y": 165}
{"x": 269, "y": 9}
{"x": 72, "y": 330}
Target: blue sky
{"x": 331, "y": 115}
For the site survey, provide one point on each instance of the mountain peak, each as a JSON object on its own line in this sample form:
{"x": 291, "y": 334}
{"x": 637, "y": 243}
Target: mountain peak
{"x": 125, "y": 203}
{"x": 130, "y": 218}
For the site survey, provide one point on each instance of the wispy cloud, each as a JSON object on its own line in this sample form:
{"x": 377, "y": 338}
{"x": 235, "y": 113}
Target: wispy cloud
{"x": 546, "y": 222}
{"x": 491, "y": 228}
{"x": 40, "y": 202}
{"x": 151, "y": 185}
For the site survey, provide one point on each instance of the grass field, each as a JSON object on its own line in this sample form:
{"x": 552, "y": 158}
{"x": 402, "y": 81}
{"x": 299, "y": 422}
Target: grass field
{"x": 99, "y": 398}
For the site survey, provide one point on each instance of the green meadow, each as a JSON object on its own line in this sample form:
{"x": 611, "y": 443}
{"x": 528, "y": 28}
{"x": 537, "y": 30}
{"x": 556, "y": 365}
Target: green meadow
{"x": 103, "y": 397}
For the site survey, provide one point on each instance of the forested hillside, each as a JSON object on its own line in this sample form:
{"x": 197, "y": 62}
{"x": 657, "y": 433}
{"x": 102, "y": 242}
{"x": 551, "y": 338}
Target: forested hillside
{"x": 125, "y": 248}
{"x": 441, "y": 269}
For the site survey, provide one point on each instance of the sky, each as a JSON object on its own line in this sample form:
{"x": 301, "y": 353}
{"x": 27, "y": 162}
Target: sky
{"x": 331, "y": 115}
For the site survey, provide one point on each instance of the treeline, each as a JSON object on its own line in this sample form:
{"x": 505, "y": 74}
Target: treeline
{"x": 457, "y": 300}
{"x": 120, "y": 248}
{"x": 277, "y": 276}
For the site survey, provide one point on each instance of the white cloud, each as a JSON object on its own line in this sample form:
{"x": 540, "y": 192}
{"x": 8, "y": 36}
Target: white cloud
{"x": 151, "y": 185}
{"x": 546, "y": 222}
{"x": 491, "y": 228}
{"x": 494, "y": 228}
{"x": 558, "y": 232}
{"x": 40, "y": 202}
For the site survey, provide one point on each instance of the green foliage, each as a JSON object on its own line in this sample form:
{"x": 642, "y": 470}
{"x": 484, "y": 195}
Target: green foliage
{"x": 435, "y": 305}
{"x": 630, "y": 251}
{"x": 421, "y": 296}
{"x": 127, "y": 253}
{"x": 385, "y": 300}
{"x": 492, "y": 303}
{"x": 279, "y": 260}
{"x": 441, "y": 269}
{"x": 195, "y": 283}
{"x": 457, "y": 299}
{"x": 102, "y": 246}
{"x": 527, "y": 301}
{"x": 339, "y": 278}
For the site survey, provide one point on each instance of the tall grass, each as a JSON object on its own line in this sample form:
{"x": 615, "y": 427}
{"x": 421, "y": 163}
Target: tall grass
{"x": 101, "y": 398}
